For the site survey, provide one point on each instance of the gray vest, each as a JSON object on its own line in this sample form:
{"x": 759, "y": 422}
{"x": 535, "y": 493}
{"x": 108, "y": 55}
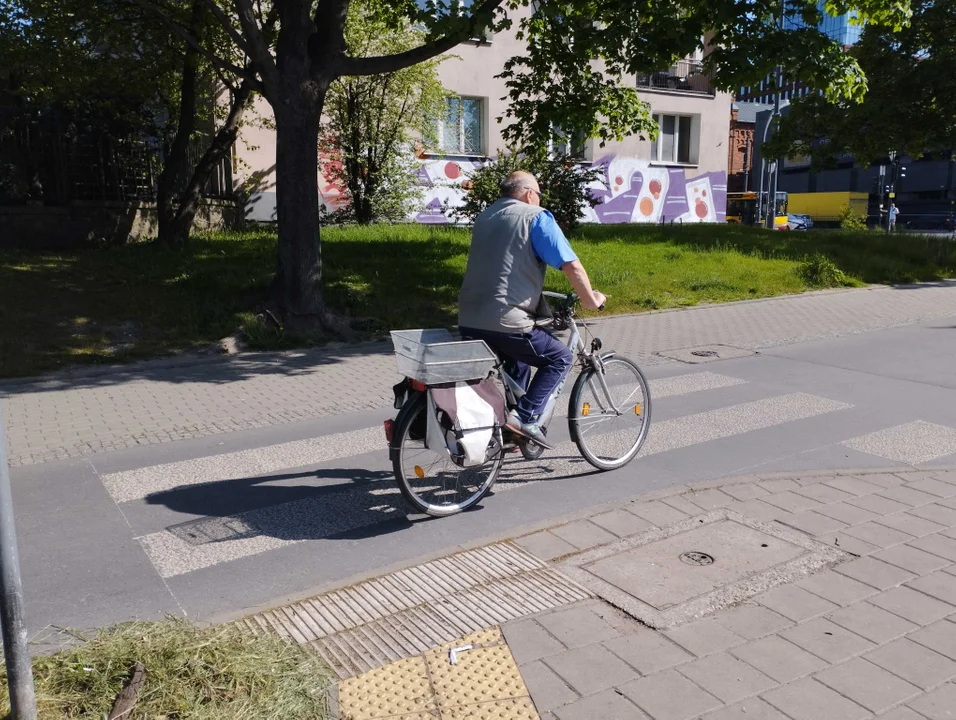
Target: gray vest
{"x": 501, "y": 291}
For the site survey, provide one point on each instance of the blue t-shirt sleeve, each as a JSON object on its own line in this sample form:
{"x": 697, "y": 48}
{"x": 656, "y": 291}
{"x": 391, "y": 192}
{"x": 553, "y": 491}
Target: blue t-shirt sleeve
{"x": 549, "y": 242}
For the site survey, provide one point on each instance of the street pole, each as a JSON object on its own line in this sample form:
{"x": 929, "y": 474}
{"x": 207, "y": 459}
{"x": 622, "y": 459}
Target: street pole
{"x": 16, "y": 650}
{"x": 892, "y": 186}
{"x": 775, "y": 164}
{"x": 748, "y": 161}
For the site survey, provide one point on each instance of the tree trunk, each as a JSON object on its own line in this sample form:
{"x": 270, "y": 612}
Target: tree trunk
{"x": 297, "y": 98}
{"x": 177, "y": 160}
{"x": 298, "y": 284}
{"x": 188, "y": 205}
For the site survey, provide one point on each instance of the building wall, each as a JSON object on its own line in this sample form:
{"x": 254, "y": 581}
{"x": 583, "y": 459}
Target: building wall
{"x": 739, "y": 154}
{"x": 471, "y": 73}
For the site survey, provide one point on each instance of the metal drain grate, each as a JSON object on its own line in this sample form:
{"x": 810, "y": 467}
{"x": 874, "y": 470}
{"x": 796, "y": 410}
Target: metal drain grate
{"x": 379, "y": 621}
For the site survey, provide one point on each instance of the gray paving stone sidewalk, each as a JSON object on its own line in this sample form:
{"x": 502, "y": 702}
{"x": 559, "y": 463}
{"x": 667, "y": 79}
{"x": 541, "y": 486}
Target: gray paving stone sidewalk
{"x": 84, "y": 413}
{"x": 872, "y": 636}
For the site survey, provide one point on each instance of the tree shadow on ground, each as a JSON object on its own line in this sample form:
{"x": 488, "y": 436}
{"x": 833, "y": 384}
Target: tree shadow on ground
{"x": 108, "y": 306}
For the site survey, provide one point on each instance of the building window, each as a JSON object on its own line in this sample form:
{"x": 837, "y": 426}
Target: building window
{"x": 461, "y": 131}
{"x": 677, "y": 139}
{"x": 561, "y": 144}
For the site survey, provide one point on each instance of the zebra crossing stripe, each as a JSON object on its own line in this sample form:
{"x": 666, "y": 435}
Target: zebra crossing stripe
{"x": 143, "y": 482}
{"x": 210, "y": 541}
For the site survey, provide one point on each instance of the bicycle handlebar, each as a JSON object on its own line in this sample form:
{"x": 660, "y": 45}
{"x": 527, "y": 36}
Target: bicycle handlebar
{"x": 570, "y": 298}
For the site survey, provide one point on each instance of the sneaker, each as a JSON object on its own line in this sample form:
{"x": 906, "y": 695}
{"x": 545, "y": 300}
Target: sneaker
{"x": 533, "y": 432}
{"x": 513, "y": 422}
{"x": 529, "y": 431}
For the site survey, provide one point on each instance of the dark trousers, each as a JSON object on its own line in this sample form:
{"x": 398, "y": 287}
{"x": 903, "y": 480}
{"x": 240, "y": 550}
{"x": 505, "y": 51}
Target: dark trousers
{"x": 523, "y": 351}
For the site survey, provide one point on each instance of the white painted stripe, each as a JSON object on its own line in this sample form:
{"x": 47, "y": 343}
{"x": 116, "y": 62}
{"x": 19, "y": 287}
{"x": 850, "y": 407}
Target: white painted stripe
{"x": 142, "y": 482}
{"x": 735, "y": 420}
{"x": 213, "y": 541}
{"x": 913, "y": 443}
{"x": 683, "y": 432}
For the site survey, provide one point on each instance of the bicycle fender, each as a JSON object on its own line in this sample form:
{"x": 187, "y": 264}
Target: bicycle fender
{"x": 410, "y": 402}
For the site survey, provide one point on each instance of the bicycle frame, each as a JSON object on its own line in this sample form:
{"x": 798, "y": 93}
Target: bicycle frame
{"x": 586, "y": 358}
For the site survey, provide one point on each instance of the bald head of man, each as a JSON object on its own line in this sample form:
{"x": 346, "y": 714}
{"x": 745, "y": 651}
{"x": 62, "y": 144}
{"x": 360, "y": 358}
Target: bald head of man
{"x": 521, "y": 185}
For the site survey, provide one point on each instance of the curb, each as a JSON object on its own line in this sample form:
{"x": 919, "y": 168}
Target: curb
{"x": 556, "y": 521}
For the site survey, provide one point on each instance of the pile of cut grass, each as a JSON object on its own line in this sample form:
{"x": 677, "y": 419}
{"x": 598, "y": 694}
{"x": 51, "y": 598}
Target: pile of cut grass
{"x": 192, "y": 673}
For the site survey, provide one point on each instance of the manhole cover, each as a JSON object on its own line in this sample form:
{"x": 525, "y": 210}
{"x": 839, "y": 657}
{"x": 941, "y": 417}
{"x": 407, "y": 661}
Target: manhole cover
{"x": 705, "y": 353}
{"x": 696, "y": 558}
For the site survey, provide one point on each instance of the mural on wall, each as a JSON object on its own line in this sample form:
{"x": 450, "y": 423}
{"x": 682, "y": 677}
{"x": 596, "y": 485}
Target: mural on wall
{"x": 331, "y": 194}
{"x": 445, "y": 183}
{"x": 630, "y": 191}
{"x": 634, "y": 191}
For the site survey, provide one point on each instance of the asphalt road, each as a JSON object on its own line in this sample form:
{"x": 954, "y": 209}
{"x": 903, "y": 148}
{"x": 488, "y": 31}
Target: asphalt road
{"x": 220, "y": 526}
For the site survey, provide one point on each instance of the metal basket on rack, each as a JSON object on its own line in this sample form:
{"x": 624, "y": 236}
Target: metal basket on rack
{"x": 434, "y": 357}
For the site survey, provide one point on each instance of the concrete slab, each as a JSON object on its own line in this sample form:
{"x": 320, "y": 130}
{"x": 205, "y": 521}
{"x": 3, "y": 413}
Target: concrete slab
{"x": 668, "y": 576}
{"x": 81, "y": 568}
{"x": 657, "y": 575}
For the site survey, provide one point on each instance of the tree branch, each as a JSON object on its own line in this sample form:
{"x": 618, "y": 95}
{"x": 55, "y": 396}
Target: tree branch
{"x": 191, "y": 40}
{"x": 259, "y": 49}
{"x": 400, "y": 61}
{"x": 227, "y": 25}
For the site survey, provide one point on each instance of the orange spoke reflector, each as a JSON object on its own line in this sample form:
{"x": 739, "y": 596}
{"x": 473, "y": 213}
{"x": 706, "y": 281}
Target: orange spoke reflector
{"x": 419, "y": 472}
{"x": 637, "y": 409}
{"x": 586, "y": 409}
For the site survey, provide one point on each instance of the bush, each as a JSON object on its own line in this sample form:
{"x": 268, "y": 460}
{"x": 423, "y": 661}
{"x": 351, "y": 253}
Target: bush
{"x": 564, "y": 185}
{"x": 217, "y": 673}
{"x": 820, "y": 271}
{"x": 850, "y": 221}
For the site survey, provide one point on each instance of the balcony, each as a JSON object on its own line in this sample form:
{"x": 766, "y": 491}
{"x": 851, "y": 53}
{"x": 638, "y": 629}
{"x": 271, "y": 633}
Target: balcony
{"x": 684, "y": 77}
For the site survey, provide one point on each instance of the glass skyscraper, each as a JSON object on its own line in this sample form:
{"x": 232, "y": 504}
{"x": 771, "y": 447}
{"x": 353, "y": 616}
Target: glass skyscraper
{"x": 838, "y": 28}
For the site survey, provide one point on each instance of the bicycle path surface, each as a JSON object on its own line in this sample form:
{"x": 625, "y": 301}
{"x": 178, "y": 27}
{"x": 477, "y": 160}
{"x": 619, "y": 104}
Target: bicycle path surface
{"x": 264, "y": 508}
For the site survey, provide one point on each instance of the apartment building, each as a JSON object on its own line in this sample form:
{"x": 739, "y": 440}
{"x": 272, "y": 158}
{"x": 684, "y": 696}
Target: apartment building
{"x": 679, "y": 177}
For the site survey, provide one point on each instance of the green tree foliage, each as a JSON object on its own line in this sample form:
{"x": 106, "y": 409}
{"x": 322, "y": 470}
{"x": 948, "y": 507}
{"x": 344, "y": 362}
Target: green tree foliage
{"x": 910, "y": 106}
{"x": 575, "y": 73}
{"x": 372, "y": 121}
{"x": 96, "y": 61}
{"x": 564, "y": 185}
{"x": 111, "y": 68}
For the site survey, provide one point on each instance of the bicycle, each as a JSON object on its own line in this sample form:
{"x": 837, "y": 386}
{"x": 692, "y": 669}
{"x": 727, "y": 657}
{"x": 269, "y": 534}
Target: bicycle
{"x": 594, "y": 408}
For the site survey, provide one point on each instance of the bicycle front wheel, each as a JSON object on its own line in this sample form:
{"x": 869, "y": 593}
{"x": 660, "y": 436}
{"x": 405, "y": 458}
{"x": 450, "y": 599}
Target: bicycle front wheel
{"x": 609, "y": 420}
{"x": 429, "y": 479}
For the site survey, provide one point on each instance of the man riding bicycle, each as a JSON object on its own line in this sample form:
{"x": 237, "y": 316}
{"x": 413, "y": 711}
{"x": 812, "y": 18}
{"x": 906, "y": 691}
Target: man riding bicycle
{"x": 512, "y": 243}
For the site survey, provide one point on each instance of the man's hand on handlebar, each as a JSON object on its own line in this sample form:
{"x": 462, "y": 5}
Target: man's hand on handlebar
{"x": 578, "y": 277}
{"x": 596, "y": 302}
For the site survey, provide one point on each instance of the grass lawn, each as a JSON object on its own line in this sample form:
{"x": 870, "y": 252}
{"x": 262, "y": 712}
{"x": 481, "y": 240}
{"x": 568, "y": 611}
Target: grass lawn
{"x": 118, "y": 304}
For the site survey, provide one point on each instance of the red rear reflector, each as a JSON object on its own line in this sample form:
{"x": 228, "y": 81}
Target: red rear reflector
{"x": 417, "y": 386}
{"x": 389, "y": 430}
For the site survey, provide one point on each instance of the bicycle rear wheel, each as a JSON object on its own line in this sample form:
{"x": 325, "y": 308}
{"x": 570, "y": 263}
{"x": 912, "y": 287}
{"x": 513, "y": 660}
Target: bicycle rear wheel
{"x": 430, "y": 480}
{"x": 609, "y": 438}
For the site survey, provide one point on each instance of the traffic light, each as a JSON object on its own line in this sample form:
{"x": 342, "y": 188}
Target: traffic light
{"x": 902, "y": 171}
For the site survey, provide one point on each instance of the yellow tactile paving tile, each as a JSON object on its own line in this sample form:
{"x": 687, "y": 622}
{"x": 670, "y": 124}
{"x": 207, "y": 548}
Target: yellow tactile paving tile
{"x": 516, "y": 709}
{"x": 481, "y": 675}
{"x": 400, "y": 688}
{"x": 484, "y": 684}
